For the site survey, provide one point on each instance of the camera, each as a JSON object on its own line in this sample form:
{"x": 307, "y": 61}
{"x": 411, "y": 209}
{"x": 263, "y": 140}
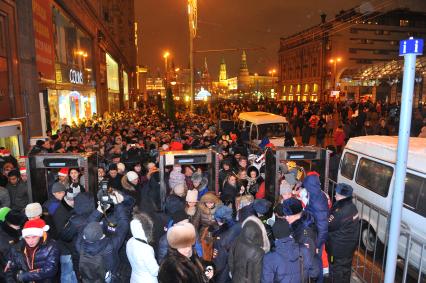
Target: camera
{"x": 105, "y": 194}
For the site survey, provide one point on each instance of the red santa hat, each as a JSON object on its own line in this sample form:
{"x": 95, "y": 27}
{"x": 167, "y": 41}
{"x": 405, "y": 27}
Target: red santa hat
{"x": 23, "y": 170}
{"x": 34, "y": 227}
{"x": 4, "y": 152}
{"x": 63, "y": 172}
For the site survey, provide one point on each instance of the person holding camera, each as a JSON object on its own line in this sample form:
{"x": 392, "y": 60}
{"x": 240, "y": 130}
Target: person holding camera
{"x": 98, "y": 253}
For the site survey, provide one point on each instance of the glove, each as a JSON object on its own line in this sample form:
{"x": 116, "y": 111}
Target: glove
{"x": 118, "y": 197}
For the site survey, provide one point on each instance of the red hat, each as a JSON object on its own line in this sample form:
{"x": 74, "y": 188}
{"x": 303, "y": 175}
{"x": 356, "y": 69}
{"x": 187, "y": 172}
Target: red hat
{"x": 23, "y": 170}
{"x": 23, "y": 157}
{"x": 63, "y": 172}
{"x": 4, "y": 152}
{"x": 34, "y": 227}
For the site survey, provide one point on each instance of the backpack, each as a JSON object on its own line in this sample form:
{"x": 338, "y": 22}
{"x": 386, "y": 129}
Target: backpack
{"x": 92, "y": 268}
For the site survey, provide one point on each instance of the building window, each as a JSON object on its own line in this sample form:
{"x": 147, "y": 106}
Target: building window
{"x": 404, "y": 23}
{"x": 379, "y": 32}
{"x": 352, "y": 50}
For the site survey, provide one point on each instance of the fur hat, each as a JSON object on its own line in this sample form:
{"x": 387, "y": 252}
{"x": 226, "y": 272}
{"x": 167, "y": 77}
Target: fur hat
{"x": 292, "y": 206}
{"x": 344, "y": 190}
{"x": 197, "y": 177}
{"x": 121, "y": 167}
{"x": 179, "y": 190}
{"x": 181, "y": 235}
{"x": 33, "y": 210}
{"x": 176, "y": 177}
{"x": 58, "y": 187}
{"x": 290, "y": 178}
{"x": 209, "y": 197}
{"x": 34, "y": 227}
{"x": 285, "y": 188}
{"x": 192, "y": 196}
{"x": 131, "y": 176}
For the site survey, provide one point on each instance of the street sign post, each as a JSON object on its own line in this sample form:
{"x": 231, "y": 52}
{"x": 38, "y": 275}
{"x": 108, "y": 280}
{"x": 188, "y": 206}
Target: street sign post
{"x": 409, "y": 49}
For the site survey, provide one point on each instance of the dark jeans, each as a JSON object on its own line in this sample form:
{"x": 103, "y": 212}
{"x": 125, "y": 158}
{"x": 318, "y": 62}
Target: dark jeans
{"x": 340, "y": 269}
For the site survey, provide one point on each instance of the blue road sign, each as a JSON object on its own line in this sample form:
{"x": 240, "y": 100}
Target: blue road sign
{"x": 411, "y": 46}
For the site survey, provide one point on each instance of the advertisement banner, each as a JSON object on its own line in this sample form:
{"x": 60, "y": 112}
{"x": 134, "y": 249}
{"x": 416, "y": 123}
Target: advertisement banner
{"x": 43, "y": 34}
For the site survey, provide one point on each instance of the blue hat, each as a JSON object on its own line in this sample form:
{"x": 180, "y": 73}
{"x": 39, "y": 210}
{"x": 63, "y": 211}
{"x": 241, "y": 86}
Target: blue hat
{"x": 292, "y": 206}
{"x": 262, "y": 206}
{"x": 223, "y": 214}
{"x": 344, "y": 190}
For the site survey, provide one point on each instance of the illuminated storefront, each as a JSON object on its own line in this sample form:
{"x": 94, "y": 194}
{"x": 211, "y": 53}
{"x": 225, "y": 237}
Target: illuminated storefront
{"x": 73, "y": 96}
{"x": 113, "y": 84}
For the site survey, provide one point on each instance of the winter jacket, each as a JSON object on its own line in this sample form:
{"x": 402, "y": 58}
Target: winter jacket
{"x": 246, "y": 255}
{"x": 4, "y": 197}
{"x": 45, "y": 262}
{"x": 194, "y": 215}
{"x": 108, "y": 246}
{"x": 282, "y": 265}
{"x": 177, "y": 268}
{"x": 318, "y": 207}
{"x": 130, "y": 189}
{"x": 224, "y": 237}
{"x": 207, "y": 214}
{"x": 141, "y": 256}
{"x": 343, "y": 229}
{"x": 304, "y": 233}
{"x": 115, "y": 182}
{"x": 202, "y": 188}
{"x": 8, "y": 237}
{"x": 18, "y": 195}
{"x": 176, "y": 177}
{"x": 229, "y": 192}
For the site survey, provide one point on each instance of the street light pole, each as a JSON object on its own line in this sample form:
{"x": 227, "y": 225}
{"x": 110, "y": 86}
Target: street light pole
{"x": 192, "y": 21}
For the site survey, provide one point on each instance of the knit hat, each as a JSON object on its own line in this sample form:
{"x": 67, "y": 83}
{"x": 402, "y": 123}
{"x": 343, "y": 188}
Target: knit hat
{"x": 290, "y": 178}
{"x": 131, "y": 176}
{"x": 261, "y": 206}
{"x": 192, "y": 196}
{"x": 179, "y": 216}
{"x": 292, "y": 206}
{"x": 285, "y": 188}
{"x": 34, "y": 227}
{"x": 23, "y": 170}
{"x": 63, "y": 172}
{"x": 121, "y": 167}
{"x": 223, "y": 214}
{"x": 281, "y": 229}
{"x": 33, "y": 210}
{"x": 344, "y": 189}
{"x": 197, "y": 177}
{"x": 181, "y": 235}
{"x": 15, "y": 217}
{"x": 58, "y": 187}
{"x": 179, "y": 190}
{"x": 176, "y": 176}
{"x": 93, "y": 232}
{"x": 3, "y": 213}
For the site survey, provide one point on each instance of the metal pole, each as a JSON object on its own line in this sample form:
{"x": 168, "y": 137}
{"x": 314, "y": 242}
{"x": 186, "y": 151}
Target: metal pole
{"x": 191, "y": 67}
{"x": 401, "y": 165}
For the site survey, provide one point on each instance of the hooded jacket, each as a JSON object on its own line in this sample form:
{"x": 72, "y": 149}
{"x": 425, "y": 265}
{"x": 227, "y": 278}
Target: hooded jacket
{"x": 141, "y": 256}
{"x": 283, "y": 264}
{"x": 207, "y": 214}
{"x": 246, "y": 255}
{"x": 317, "y": 207}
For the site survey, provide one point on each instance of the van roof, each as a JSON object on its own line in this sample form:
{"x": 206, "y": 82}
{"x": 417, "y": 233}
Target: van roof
{"x": 384, "y": 148}
{"x": 260, "y": 118}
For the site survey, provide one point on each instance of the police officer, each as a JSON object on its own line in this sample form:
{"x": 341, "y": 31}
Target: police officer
{"x": 343, "y": 229}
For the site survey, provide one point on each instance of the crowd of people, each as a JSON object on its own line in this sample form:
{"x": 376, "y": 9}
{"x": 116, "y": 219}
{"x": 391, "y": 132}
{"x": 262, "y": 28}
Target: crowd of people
{"x": 123, "y": 231}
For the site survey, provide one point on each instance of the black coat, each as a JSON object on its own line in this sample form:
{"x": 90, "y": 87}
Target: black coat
{"x": 343, "y": 229}
{"x": 46, "y": 262}
{"x": 177, "y": 268}
{"x": 8, "y": 237}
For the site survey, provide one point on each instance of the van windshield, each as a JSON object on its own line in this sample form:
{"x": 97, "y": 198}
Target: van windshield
{"x": 273, "y": 130}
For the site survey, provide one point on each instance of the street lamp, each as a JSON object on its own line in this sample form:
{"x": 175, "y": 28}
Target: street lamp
{"x": 166, "y": 55}
{"x": 334, "y": 61}
{"x": 192, "y": 25}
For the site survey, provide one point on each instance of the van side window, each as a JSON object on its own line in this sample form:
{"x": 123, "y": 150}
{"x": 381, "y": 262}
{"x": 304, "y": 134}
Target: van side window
{"x": 348, "y": 165}
{"x": 415, "y": 194}
{"x": 253, "y": 135}
{"x": 374, "y": 176}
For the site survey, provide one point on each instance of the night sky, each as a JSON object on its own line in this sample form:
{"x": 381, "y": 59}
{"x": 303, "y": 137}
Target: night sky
{"x": 163, "y": 24}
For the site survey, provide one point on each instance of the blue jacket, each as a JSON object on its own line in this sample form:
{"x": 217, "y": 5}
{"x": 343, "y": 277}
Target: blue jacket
{"x": 46, "y": 262}
{"x": 283, "y": 264}
{"x": 225, "y": 237}
{"x": 317, "y": 207}
{"x": 108, "y": 246}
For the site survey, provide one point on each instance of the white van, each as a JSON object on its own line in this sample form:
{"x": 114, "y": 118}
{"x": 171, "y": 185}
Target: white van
{"x": 259, "y": 124}
{"x": 368, "y": 165}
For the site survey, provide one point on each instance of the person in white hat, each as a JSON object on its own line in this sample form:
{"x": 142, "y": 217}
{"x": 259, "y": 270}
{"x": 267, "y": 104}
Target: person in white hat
{"x": 191, "y": 208}
{"x": 33, "y": 210}
{"x": 130, "y": 184}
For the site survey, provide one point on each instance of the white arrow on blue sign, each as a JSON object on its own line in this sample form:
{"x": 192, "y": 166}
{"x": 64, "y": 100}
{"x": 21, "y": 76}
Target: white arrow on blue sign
{"x": 411, "y": 46}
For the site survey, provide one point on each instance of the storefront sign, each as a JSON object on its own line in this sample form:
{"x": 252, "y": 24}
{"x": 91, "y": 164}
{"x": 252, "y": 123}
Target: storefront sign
{"x": 43, "y": 33}
{"x": 76, "y": 77}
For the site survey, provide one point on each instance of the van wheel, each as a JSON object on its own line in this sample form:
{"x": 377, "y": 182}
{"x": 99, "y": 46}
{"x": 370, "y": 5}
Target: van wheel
{"x": 368, "y": 240}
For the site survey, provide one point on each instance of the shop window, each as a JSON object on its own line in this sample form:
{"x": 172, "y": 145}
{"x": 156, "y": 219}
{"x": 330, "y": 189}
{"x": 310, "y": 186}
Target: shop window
{"x": 348, "y": 165}
{"x": 404, "y": 23}
{"x": 374, "y": 176}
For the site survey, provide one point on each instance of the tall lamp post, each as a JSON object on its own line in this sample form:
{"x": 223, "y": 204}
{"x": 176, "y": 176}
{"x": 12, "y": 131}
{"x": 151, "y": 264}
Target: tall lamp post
{"x": 166, "y": 66}
{"x": 192, "y": 21}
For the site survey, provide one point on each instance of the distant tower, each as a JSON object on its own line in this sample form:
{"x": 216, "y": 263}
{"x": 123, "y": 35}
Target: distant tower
{"x": 205, "y": 76}
{"x": 243, "y": 74}
{"x": 222, "y": 72}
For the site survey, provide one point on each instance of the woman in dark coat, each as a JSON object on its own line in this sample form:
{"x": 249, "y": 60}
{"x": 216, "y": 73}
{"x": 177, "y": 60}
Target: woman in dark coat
{"x": 246, "y": 255}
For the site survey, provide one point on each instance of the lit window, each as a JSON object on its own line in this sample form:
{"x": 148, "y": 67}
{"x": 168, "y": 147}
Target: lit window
{"x": 404, "y": 23}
